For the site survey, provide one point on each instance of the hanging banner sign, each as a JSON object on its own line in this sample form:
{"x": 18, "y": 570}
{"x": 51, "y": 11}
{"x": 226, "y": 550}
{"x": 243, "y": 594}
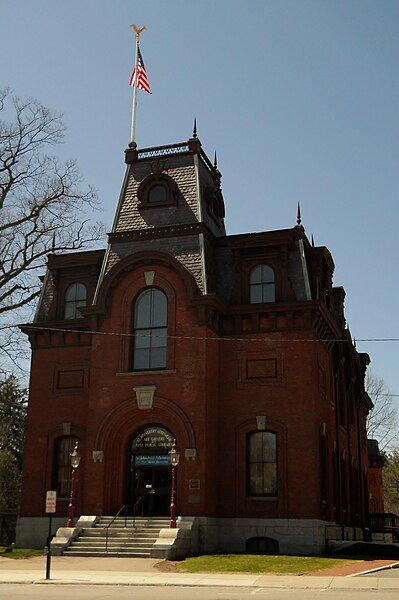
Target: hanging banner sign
{"x": 51, "y": 501}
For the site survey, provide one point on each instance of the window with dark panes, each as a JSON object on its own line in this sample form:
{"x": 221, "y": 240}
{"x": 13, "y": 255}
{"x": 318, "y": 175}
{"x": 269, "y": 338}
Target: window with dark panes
{"x": 262, "y": 464}
{"x": 158, "y": 193}
{"x": 63, "y": 446}
{"x": 150, "y": 330}
{"x": 262, "y": 287}
{"x": 75, "y": 297}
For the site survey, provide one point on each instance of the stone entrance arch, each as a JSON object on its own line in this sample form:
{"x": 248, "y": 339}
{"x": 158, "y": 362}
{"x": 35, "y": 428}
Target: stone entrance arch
{"x": 116, "y": 433}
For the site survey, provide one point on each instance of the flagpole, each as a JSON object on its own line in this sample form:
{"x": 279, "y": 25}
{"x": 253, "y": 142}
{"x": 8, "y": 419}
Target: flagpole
{"x": 138, "y": 31}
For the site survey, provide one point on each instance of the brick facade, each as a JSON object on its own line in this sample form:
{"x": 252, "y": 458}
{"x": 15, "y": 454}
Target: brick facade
{"x": 233, "y": 367}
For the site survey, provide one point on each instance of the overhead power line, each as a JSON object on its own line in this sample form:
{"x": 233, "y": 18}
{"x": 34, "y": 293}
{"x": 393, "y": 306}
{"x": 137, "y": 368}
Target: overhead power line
{"x": 223, "y": 338}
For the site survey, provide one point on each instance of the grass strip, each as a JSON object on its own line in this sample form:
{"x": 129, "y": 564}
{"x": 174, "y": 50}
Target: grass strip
{"x": 20, "y": 552}
{"x": 255, "y": 563}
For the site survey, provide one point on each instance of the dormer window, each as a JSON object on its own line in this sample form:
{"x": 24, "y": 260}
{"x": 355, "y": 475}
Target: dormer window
{"x": 157, "y": 190}
{"x": 75, "y": 297}
{"x": 157, "y": 193}
{"x": 262, "y": 286}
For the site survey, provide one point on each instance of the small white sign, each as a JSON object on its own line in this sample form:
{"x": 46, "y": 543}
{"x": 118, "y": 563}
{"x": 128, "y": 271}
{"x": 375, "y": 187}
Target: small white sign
{"x": 51, "y": 501}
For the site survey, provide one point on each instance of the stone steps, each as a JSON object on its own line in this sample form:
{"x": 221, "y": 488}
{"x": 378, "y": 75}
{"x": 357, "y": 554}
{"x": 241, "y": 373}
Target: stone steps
{"x": 134, "y": 540}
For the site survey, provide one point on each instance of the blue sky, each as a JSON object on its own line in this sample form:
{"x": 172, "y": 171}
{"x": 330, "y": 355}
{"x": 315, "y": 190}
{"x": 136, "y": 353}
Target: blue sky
{"x": 298, "y": 97}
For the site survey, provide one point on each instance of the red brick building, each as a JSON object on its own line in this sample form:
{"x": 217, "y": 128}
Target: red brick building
{"x": 376, "y": 462}
{"x": 234, "y": 345}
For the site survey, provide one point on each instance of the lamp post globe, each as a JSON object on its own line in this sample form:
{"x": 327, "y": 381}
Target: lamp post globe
{"x": 174, "y": 461}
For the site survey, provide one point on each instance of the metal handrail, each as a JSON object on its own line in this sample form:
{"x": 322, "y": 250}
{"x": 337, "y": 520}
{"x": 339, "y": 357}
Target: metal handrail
{"x": 140, "y": 499}
{"x": 125, "y": 508}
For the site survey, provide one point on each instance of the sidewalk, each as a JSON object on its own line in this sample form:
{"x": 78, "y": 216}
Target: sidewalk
{"x": 70, "y": 571}
{"x": 190, "y": 580}
{"x": 360, "y": 566}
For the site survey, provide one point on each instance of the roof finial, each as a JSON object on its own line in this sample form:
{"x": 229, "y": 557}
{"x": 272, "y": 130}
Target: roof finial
{"x": 53, "y": 244}
{"x": 195, "y": 128}
{"x": 312, "y": 241}
{"x": 215, "y": 161}
{"x": 298, "y": 215}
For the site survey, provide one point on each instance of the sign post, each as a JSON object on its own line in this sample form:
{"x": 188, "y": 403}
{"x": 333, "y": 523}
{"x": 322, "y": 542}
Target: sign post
{"x": 51, "y": 507}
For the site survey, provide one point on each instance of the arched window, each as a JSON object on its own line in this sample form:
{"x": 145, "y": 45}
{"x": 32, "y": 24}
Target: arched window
{"x": 262, "y": 464}
{"x": 262, "y": 285}
{"x": 75, "y": 297}
{"x": 157, "y": 190}
{"x": 150, "y": 330}
{"x": 63, "y": 447}
{"x": 157, "y": 193}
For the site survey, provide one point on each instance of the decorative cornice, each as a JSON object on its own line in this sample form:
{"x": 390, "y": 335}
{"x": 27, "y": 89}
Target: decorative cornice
{"x": 160, "y": 232}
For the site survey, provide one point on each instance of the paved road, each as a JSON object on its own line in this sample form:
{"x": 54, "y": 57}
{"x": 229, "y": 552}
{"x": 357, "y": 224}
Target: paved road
{"x": 106, "y": 592}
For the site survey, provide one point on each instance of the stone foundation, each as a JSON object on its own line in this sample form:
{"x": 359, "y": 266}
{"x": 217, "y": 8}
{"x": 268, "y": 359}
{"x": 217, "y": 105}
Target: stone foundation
{"x": 293, "y": 536}
{"x": 32, "y": 532}
{"x": 207, "y": 535}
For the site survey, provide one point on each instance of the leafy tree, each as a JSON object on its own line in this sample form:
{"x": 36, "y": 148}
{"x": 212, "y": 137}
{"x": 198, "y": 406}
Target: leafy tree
{"x": 382, "y": 421}
{"x": 391, "y": 482}
{"x": 13, "y": 406}
{"x": 42, "y": 203}
{"x": 10, "y": 495}
{"x": 12, "y": 425}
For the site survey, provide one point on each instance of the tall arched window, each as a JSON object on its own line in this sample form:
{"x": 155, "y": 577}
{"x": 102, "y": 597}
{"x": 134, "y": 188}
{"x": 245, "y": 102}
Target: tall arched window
{"x": 262, "y": 464}
{"x": 63, "y": 447}
{"x": 75, "y": 297}
{"x": 150, "y": 330}
{"x": 262, "y": 285}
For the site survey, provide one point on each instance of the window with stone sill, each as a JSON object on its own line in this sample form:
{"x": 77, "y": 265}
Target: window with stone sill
{"x": 63, "y": 446}
{"x": 262, "y": 286}
{"x": 262, "y": 464}
{"x": 75, "y": 298}
{"x": 150, "y": 328}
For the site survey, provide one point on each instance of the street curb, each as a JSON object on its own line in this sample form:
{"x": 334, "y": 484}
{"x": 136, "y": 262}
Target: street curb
{"x": 332, "y": 585}
{"x": 376, "y": 569}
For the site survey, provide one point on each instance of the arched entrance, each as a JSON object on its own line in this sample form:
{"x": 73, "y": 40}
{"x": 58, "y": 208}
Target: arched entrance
{"x": 149, "y": 470}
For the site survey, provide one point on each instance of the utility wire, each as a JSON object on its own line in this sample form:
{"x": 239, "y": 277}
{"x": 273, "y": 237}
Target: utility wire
{"x": 226, "y": 337}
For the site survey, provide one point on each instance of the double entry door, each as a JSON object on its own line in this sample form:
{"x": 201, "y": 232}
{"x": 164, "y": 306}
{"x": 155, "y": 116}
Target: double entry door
{"x": 152, "y": 483}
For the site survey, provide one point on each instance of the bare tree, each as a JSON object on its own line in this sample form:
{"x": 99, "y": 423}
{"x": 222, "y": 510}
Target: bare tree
{"x": 42, "y": 202}
{"x": 382, "y": 421}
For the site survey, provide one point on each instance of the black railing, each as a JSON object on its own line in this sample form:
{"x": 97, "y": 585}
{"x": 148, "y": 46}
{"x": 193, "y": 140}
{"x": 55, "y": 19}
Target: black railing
{"x": 125, "y": 510}
{"x": 385, "y": 523}
{"x": 167, "y": 150}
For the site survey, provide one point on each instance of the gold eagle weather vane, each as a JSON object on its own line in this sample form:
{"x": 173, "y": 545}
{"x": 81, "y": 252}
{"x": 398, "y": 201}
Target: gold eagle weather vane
{"x": 138, "y": 30}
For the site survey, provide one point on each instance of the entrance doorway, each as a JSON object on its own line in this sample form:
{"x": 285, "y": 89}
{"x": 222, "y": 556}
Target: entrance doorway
{"x": 149, "y": 471}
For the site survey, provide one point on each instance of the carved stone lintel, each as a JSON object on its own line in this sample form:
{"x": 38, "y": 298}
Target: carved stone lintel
{"x": 66, "y": 428}
{"x": 98, "y": 455}
{"x": 145, "y": 396}
{"x": 149, "y": 277}
{"x": 261, "y": 422}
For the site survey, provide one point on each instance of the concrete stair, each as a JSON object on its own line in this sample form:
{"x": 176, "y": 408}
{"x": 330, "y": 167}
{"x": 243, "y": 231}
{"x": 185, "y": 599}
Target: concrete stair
{"x": 135, "y": 540}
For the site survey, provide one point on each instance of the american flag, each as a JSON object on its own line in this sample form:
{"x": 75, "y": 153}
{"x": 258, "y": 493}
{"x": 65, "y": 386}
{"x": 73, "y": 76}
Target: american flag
{"x": 140, "y": 80}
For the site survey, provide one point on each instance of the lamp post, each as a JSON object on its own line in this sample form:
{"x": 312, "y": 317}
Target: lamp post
{"x": 75, "y": 461}
{"x": 174, "y": 460}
